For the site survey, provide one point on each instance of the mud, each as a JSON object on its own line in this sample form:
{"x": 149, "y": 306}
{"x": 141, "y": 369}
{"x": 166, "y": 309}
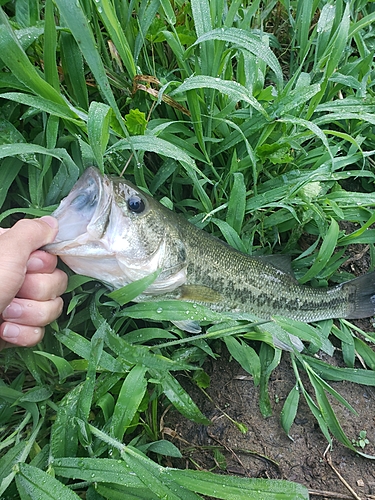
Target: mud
{"x": 265, "y": 450}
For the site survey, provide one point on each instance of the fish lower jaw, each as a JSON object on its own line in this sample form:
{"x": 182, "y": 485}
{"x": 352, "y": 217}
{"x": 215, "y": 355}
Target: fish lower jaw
{"x": 105, "y": 269}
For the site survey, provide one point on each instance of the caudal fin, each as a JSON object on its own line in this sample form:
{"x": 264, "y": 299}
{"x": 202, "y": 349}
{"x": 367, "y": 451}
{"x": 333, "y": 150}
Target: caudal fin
{"x": 362, "y": 296}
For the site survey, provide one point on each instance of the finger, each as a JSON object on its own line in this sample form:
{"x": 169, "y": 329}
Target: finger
{"x": 26, "y": 236}
{"x": 12, "y": 335}
{"x": 33, "y": 313}
{"x": 41, "y": 262}
{"x": 16, "y": 246}
{"x": 43, "y": 286}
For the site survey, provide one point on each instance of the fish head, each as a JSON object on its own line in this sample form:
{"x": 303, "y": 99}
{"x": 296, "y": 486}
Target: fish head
{"x": 111, "y": 230}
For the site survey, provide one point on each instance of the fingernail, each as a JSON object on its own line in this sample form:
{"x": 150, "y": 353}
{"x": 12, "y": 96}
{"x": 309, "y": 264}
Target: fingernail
{"x": 13, "y": 311}
{"x": 51, "y": 221}
{"x": 10, "y": 332}
{"x": 35, "y": 264}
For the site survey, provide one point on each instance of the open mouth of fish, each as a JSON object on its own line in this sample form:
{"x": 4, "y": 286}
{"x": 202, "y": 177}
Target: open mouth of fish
{"x": 83, "y": 214}
{"x": 83, "y": 241}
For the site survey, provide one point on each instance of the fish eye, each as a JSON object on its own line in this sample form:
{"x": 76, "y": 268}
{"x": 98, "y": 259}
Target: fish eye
{"x": 136, "y": 204}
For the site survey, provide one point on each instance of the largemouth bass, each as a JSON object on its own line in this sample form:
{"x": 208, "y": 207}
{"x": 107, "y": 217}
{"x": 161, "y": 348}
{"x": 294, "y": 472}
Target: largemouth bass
{"x": 114, "y": 232}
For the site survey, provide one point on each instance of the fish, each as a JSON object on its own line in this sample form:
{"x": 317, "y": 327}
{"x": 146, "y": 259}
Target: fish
{"x": 112, "y": 231}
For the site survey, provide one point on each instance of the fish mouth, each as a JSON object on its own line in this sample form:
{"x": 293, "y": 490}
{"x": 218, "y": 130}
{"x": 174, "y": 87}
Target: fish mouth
{"x": 82, "y": 215}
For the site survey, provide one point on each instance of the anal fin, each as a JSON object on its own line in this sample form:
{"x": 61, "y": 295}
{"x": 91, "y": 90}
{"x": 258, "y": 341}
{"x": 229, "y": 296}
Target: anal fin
{"x": 189, "y": 326}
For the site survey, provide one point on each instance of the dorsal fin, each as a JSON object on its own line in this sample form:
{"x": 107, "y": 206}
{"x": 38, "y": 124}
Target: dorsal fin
{"x": 281, "y": 262}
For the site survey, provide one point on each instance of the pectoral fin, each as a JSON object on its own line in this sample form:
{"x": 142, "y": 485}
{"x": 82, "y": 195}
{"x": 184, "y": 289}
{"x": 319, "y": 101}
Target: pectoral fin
{"x": 199, "y": 293}
{"x": 195, "y": 293}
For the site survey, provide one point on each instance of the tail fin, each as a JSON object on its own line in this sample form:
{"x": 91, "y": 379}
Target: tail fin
{"x": 361, "y": 294}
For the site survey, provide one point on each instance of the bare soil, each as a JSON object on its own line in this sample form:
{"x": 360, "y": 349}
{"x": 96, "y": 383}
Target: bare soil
{"x": 265, "y": 450}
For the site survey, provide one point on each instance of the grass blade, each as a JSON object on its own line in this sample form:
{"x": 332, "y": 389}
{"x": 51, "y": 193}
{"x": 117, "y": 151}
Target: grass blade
{"x": 64, "y": 368}
{"x": 334, "y": 373}
{"x": 249, "y": 42}
{"x": 325, "y": 252}
{"x": 17, "y": 454}
{"x": 20, "y": 65}
{"x": 202, "y": 16}
{"x": 146, "y": 15}
{"x": 364, "y": 350}
{"x": 237, "y": 202}
{"x": 35, "y": 484}
{"x": 236, "y": 488}
{"x": 77, "y": 22}
{"x": 157, "y": 480}
{"x": 64, "y": 435}
{"x": 42, "y": 104}
{"x": 117, "y": 35}
{"x": 234, "y": 90}
{"x": 129, "y": 292}
{"x": 8, "y": 172}
{"x": 179, "y": 397}
{"x": 289, "y": 411}
{"x": 327, "y": 411}
{"x": 229, "y": 233}
{"x": 100, "y": 469}
{"x": 98, "y": 122}
{"x": 82, "y": 347}
{"x": 74, "y": 73}
{"x": 246, "y": 356}
{"x": 157, "y": 145}
{"x": 87, "y": 393}
{"x": 50, "y": 44}
{"x": 130, "y": 397}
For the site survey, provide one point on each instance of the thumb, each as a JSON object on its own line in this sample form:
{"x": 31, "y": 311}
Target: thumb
{"x": 16, "y": 245}
{"x": 28, "y": 235}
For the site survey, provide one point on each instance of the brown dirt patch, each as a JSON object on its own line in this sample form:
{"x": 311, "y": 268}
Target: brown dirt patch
{"x": 265, "y": 450}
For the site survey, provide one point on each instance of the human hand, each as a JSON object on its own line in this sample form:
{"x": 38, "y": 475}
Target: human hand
{"x": 30, "y": 284}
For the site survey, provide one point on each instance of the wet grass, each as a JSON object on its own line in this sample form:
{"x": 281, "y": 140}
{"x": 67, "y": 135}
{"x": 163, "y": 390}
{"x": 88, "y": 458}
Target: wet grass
{"x": 253, "y": 120}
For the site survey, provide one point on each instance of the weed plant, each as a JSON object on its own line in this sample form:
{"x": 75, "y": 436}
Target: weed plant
{"x": 253, "y": 119}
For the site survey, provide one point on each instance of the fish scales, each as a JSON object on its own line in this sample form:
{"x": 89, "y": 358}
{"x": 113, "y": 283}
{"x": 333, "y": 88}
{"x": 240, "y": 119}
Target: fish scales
{"x": 111, "y": 230}
{"x": 249, "y": 284}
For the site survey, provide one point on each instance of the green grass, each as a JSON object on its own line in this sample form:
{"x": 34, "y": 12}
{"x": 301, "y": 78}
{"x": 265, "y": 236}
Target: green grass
{"x": 256, "y": 121}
